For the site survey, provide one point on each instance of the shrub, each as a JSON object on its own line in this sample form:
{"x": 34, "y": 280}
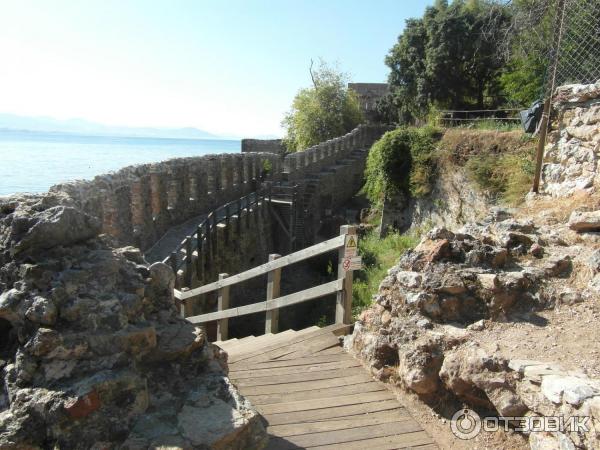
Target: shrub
{"x": 402, "y": 160}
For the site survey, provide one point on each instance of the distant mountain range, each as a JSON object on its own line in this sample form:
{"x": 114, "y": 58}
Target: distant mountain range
{"x": 81, "y": 126}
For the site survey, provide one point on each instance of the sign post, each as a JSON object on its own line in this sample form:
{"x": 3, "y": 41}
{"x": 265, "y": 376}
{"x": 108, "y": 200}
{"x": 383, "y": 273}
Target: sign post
{"x": 346, "y": 254}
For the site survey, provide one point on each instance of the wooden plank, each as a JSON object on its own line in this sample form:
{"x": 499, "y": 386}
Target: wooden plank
{"x": 294, "y": 429}
{"x": 281, "y": 371}
{"x": 286, "y": 300}
{"x": 326, "y": 414}
{"x": 301, "y": 255}
{"x": 312, "y": 345}
{"x": 337, "y": 437}
{"x": 307, "y": 405}
{"x": 267, "y": 399}
{"x": 259, "y": 343}
{"x": 419, "y": 440}
{"x": 307, "y": 347}
{"x": 306, "y": 385}
{"x": 331, "y": 329}
{"x": 223, "y": 304}
{"x": 343, "y": 305}
{"x": 297, "y": 377}
{"x": 339, "y": 356}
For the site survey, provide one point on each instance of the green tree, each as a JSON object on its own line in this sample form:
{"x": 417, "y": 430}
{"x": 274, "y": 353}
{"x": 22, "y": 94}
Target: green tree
{"x": 326, "y": 110}
{"x": 447, "y": 59}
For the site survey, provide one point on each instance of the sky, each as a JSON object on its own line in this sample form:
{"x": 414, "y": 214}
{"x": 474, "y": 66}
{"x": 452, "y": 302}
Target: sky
{"x": 229, "y": 67}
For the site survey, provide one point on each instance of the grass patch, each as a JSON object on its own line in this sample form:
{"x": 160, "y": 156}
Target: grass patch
{"x": 501, "y": 163}
{"x": 378, "y": 256}
{"x": 491, "y": 124}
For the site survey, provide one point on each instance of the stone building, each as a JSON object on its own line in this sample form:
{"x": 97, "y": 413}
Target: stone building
{"x": 368, "y": 95}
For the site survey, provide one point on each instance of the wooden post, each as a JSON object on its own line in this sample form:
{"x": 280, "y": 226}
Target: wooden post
{"x": 223, "y": 303}
{"x": 182, "y": 304}
{"x": 273, "y": 288}
{"x": 343, "y": 307}
{"x": 539, "y": 160}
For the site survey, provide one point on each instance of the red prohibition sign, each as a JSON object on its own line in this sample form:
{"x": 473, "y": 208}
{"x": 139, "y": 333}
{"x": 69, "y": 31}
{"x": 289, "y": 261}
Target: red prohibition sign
{"x": 346, "y": 264}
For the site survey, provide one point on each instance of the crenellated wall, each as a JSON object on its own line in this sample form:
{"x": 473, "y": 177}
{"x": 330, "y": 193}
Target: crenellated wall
{"x": 138, "y": 204}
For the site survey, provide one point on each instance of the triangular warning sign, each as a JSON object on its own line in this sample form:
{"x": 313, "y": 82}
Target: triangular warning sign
{"x": 351, "y": 243}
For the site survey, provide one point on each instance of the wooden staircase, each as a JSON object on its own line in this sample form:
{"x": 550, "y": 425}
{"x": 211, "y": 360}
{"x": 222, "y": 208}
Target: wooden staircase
{"x": 312, "y": 394}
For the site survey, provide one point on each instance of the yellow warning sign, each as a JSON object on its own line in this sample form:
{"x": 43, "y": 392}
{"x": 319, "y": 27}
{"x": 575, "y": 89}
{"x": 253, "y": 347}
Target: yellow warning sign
{"x": 350, "y": 246}
{"x": 351, "y": 242}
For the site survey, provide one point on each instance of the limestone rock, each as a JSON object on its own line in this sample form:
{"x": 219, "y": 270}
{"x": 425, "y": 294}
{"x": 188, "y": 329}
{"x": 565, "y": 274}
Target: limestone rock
{"x": 583, "y": 221}
{"x": 97, "y": 355}
{"x": 60, "y": 225}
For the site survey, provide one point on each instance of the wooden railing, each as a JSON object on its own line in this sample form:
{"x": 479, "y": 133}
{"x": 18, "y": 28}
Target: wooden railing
{"x": 342, "y": 286}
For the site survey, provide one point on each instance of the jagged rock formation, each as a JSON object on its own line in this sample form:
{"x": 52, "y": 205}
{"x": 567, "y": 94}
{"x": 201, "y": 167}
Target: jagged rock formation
{"x": 93, "y": 353}
{"x": 469, "y": 314}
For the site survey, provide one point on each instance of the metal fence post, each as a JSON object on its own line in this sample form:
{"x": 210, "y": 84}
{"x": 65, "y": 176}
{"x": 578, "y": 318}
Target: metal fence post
{"x": 223, "y": 303}
{"x": 273, "y": 290}
{"x": 343, "y": 306}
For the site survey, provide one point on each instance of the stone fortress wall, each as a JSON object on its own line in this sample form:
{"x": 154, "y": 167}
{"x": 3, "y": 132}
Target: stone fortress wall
{"x": 138, "y": 204}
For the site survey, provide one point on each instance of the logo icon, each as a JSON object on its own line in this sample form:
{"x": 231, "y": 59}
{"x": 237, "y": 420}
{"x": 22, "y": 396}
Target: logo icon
{"x": 466, "y": 424}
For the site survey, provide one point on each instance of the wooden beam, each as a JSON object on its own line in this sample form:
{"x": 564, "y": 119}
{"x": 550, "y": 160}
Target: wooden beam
{"x": 301, "y": 255}
{"x": 273, "y": 290}
{"x": 343, "y": 307}
{"x": 286, "y": 300}
{"x": 222, "y": 305}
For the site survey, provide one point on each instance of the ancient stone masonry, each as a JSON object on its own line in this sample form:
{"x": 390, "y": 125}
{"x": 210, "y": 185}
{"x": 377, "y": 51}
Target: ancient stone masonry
{"x": 93, "y": 353}
{"x": 573, "y": 147}
{"x": 138, "y": 204}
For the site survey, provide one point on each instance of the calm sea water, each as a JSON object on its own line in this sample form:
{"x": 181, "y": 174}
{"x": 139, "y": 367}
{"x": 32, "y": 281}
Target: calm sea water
{"x": 32, "y": 162}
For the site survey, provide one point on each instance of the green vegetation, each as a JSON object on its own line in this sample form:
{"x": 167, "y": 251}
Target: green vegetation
{"x": 499, "y": 162}
{"x": 475, "y": 54}
{"x": 322, "y": 112}
{"x": 507, "y": 176}
{"x": 378, "y": 256}
{"x": 402, "y": 160}
{"x": 447, "y": 59}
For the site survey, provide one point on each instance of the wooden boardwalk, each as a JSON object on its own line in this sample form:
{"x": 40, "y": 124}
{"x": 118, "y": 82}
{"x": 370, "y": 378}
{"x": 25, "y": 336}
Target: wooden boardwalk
{"x": 314, "y": 395}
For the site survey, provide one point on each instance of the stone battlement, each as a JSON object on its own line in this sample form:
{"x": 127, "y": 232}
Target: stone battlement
{"x": 138, "y": 204}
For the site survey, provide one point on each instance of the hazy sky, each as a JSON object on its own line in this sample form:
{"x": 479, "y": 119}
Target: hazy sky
{"x": 229, "y": 67}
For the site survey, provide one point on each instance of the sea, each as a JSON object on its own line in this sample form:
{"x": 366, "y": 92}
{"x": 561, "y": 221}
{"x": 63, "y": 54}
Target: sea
{"x": 35, "y": 161}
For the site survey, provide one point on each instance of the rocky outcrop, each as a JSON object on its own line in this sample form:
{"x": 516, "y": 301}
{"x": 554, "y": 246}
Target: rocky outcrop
{"x": 93, "y": 353}
{"x": 421, "y": 333}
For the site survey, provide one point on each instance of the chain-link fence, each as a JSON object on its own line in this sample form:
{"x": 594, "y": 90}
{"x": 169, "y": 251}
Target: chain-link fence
{"x": 563, "y": 37}
{"x": 575, "y": 53}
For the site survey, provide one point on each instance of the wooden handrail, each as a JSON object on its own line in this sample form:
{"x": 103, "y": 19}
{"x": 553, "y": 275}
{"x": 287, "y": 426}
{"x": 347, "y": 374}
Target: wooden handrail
{"x": 269, "y": 305}
{"x": 298, "y": 256}
{"x": 346, "y": 244}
